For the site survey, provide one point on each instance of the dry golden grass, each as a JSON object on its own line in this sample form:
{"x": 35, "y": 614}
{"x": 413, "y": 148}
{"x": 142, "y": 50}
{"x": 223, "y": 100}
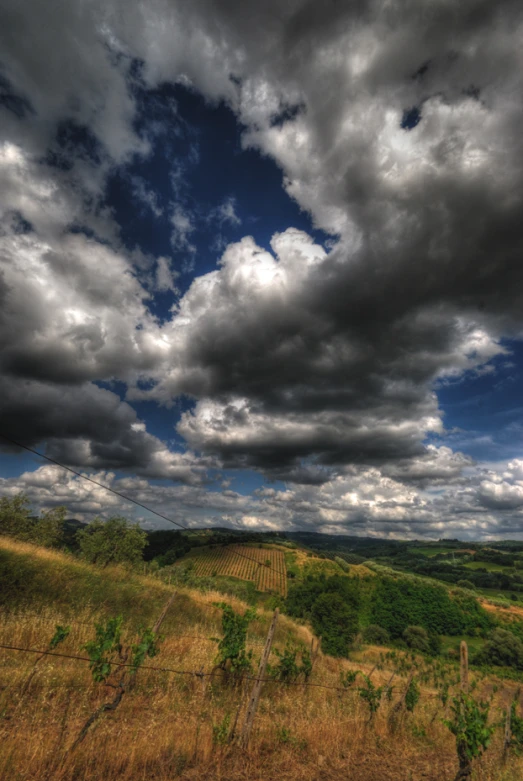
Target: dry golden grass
{"x": 163, "y": 728}
{"x": 510, "y": 612}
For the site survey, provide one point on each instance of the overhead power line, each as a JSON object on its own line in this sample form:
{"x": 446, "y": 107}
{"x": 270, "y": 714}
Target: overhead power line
{"x": 117, "y": 493}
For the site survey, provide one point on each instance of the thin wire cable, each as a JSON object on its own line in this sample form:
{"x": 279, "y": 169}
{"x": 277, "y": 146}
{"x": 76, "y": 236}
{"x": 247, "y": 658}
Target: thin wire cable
{"x": 122, "y": 496}
{"x": 195, "y": 673}
{"x": 198, "y": 674}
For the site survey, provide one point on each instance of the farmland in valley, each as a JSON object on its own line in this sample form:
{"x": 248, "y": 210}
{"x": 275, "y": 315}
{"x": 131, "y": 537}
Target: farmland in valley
{"x": 243, "y": 562}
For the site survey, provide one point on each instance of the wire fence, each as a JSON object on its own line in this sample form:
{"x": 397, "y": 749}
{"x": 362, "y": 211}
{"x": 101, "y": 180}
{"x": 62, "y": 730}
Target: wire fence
{"x": 201, "y": 673}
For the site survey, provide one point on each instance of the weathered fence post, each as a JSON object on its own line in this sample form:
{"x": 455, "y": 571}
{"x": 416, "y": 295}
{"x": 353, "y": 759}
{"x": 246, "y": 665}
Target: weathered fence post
{"x": 508, "y": 733}
{"x": 162, "y": 615}
{"x": 256, "y": 689}
{"x": 315, "y": 651}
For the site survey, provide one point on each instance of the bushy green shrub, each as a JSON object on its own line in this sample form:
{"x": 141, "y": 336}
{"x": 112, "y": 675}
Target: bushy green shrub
{"x": 417, "y": 638}
{"x": 376, "y": 635}
{"x": 502, "y": 648}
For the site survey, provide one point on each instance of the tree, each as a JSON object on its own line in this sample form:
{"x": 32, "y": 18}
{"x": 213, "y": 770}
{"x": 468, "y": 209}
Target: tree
{"x": 14, "y": 516}
{"x": 335, "y": 622}
{"x": 115, "y": 541}
{"x": 49, "y": 529}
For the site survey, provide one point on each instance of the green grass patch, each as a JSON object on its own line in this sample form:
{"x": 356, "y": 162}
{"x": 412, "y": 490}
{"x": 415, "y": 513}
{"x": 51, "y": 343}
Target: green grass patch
{"x": 487, "y": 565}
{"x": 449, "y": 642}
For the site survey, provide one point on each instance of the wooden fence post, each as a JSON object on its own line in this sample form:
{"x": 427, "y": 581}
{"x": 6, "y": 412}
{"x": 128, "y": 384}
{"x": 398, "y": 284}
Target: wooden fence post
{"x": 162, "y": 615}
{"x": 315, "y": 651}
{"x": 508, "y": 733}
{"x": 464, "y": 668}
{"x": 256, "y": 689}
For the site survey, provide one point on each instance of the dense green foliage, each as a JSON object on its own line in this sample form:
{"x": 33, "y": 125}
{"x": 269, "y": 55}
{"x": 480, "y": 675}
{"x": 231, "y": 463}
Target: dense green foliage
{"x": 115, "y": 541}
{"x": 417, "y": 638}
{"x": 398, "y": 604}
{"x": 376, "y": 635}
{"x": 335, "y": 622}
{"x": 331, "y": 604}
{"x": 166, "y": 546}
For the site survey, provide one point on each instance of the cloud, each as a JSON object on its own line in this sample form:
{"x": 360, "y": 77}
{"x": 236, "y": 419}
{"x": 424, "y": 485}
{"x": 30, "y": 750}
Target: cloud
{"x": 149, "y": 198}
{"x": 88, "y": 426}
{"x": 281, "y": 376}
{"x": 225, "y": 213}
{"x": 358, "y": 500}
{"x": 183, "y": 226}
{"x": 165, "y": 276}
{"x": 396, "y": 127}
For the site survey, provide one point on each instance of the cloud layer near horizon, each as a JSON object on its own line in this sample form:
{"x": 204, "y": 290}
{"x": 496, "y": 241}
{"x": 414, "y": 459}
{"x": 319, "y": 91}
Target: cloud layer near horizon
{"x": 317, "y": 366}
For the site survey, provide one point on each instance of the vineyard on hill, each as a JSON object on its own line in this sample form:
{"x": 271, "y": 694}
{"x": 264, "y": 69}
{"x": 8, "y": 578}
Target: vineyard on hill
{"x": 265, "y": 567}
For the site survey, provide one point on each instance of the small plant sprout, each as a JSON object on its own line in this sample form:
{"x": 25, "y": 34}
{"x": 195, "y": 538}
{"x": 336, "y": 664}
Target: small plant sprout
{"x": 61, "y": 633}
{"x": 348, "y": 678}
{"x": 106, "y": 649}
{"x": 371, "y": 694}
{"x": 288, "y": 668}
{"x": 232, "y": 655}
{"x": 105, "y": 653}
{"x": 220, "y": 731}
{"x": 473, "y": 734}
{"x": 412, "y": 696}
{"x": 147, "y": 646}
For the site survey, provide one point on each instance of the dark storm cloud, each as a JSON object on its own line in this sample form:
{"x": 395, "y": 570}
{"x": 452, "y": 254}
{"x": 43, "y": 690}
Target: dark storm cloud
{"x": 87, "y": 426}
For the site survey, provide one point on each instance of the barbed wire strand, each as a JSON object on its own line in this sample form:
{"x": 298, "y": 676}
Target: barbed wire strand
{"x": 197, "y": 673}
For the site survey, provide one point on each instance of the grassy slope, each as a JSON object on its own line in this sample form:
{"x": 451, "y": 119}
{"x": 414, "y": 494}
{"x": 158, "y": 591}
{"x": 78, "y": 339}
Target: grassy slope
{"x": 164, "y": 726}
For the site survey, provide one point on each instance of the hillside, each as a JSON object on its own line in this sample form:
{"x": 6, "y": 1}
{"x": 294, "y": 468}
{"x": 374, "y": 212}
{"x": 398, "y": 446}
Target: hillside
{"x": 172, "y": 723}
{"x": 493, "y": 570}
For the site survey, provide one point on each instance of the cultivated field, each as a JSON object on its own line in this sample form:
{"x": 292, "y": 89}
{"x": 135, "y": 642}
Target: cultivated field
{"x": 265, "y": 567}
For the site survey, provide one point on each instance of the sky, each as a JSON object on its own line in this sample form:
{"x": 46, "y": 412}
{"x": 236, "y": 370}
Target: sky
{"x": 261, "y": 263}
